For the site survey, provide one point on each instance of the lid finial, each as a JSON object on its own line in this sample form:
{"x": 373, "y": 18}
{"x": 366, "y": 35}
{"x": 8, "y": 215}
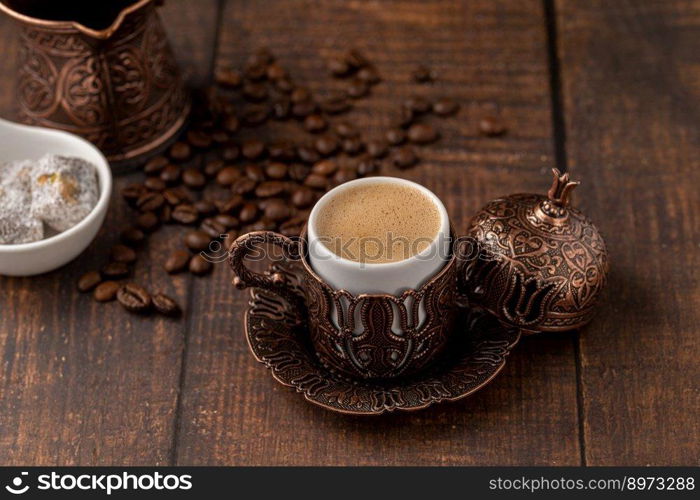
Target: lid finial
{"x": 560, "y": 192}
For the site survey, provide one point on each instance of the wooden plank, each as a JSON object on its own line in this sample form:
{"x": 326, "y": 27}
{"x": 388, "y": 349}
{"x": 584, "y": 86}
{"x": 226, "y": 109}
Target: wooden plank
{"x": 630, "y": 75}
{"x": 484, "y": 52}
{"x": 84, "y": 383}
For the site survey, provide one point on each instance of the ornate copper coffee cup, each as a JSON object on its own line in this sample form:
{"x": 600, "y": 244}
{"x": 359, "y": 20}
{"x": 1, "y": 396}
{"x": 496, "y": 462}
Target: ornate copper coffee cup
{"x": 102, "y": 70}
{"x": 365, "y": 335}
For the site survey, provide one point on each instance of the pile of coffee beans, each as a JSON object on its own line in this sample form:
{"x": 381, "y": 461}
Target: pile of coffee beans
{"x": 217, "y": 186}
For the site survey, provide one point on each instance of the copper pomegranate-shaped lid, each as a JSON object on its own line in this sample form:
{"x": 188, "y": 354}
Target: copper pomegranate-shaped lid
{"x": 539, "y": 264}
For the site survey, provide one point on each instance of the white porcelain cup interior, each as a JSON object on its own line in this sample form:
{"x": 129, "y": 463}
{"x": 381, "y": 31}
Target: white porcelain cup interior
{"x": 373, "y": 278}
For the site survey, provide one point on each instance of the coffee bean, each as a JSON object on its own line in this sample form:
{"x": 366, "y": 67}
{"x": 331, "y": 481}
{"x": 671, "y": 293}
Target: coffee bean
{"x": 335, "y": 104}
{"x": 205, "y": 207}
{"x": 282, "y": 151}
{"x": 262, "y": 224}
{"x": 134, "y": 298}
{"x": 298, "y": 171}
{"x": 165, "y": 214}
{"x": 302, "y": 197}
{"x": 165, "y": 305}
{"x": 303, "y": 109}
{"x": 300, "y": 94}
{"x": 228, "y": 239}
{"x": 281, "y": 108}
{"x": 231, "y": 124}
{"x": 369, "y": 75}
{"x": 197, "y": 240}
{"x": 367, "y": 166}
{"x": 88, "y": 281}
{"x": 256, "y": 71}
{"x": 316, "y": 181}
{"x": 404, "y": 157}
{"x": 339, "y": 67}
{"x": 423, "y": 74}
{"x": 345, "y": 129}
{"x": 325, "y": 167}
{"x": 308, "y": 154}
{"x": 180, "y": 151}
{"x": 492, "y": 126}
{"x": 155, "y": 165}
{"x": 147, "y": 221}
{"x": 243, "y": 186}
{"x": 122, "y": 253}
{"x": 213, "y": 167}
{"x": 417, "y": 104}
{"x": 133, "y": 192}
{"x": 227, "y": 77}
{"x": 227, "y": 176}
{"x": 352, "y": 145}
{"x": 231, "y": 204}
{"x": 106, "y": 291}
{"x": 199, "y": 139}
{"x": 115, "y": 270}
{"x": 228, "y": 221}
{"x": 395, "y": 136}
{"x": 212, "y": 227}
{"x": 255, "y": 115}
{"x": 154, "y": 183}
{"x": 254, "y": 172}
{"x": 275, "y": 72}
{"x": 185, "y": 213}
{"x": 254, "y": 92}
{"x": 230, "y": 152}
{"x": 193, "y": 178}
{"x": 326, "y": 144}
{"x": 150, "y": 201}
{"x": 253, "y": 149}
{"x": 248, "y": 213}
{"x": 132, "y": 236}
{"x": 276, "y": 170}
{"x": 357, "y": 88}
{"x": 356, "y": 59}
{"x": 220, "y": 136}
{"x": 315, "y": 123}
{"x": 170, "y": 174}
{"x": 344, "y": 175}
{"x": 407, "y": 117}
{"x": 376, "y": 148}
{"x": 199, "y": 266}
{"x": 445, "y": 107}
{"x": 284, "y": 85}
{"x": 173, "y": 196}
{"x": 422, "y": 133}
{"x": 293, "y": 226}
{"x": 277, "y": 210}
{"x": 269, "y": 188}
{"x": 177, "y": 261}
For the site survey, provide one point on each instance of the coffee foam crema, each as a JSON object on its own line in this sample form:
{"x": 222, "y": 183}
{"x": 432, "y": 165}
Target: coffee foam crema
{"x": 378, "y": 223}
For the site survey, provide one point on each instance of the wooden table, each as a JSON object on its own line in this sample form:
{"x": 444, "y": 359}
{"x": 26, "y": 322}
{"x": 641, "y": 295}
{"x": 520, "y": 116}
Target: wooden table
{"x": 608, "y": 91}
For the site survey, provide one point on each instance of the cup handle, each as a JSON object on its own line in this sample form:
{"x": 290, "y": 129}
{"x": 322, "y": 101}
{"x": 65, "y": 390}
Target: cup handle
{"x": 275, "y": 282}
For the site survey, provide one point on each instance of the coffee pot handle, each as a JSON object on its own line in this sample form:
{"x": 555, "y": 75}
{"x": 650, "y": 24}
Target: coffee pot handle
{"x": 251, "y": 244}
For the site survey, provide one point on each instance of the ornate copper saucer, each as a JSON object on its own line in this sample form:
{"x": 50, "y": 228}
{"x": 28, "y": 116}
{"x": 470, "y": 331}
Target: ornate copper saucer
{"x": 277, "y": 337}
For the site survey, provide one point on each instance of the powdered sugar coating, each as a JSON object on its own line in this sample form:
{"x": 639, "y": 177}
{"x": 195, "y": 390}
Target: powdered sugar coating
{"x": 64, "y": 190}
{"x": 55, "y": 191}
{"x": 17, "y": 225}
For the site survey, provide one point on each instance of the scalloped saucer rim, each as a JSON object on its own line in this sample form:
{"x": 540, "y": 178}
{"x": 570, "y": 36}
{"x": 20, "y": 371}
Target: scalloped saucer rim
{"x": 273, "y": 329}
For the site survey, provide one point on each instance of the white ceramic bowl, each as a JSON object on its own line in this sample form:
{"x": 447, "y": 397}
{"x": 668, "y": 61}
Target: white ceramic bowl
{"x": 19, "y": 142}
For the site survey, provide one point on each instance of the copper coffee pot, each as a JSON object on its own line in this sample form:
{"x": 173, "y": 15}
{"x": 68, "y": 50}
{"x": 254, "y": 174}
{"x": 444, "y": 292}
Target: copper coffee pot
{"x": 102, "y": 70}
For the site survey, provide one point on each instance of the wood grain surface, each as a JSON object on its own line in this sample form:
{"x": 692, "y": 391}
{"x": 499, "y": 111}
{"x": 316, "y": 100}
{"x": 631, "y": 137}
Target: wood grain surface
{"x": 630, "y": 74}
{"x": 586, "y": 84}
